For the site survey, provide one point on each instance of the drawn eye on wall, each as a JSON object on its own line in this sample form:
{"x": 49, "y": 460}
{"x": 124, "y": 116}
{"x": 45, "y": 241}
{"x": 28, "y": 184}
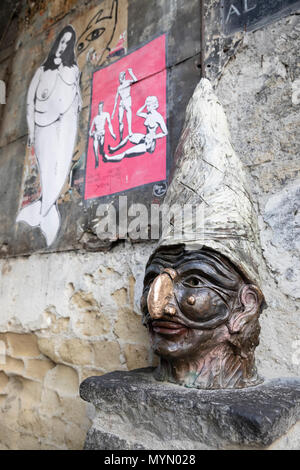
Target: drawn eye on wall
{"x": 94, "y": 30}
{"x": 95, "y": 34}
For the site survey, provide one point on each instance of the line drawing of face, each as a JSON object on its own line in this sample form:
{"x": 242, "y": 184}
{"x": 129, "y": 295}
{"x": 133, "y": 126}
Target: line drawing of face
{"x": 63, "y": 44}
{"x": 100, "y": 108}
{"x": 151, "y": 103}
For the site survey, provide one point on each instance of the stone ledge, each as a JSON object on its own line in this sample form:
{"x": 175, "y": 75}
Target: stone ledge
{"x": 134, "y": 411}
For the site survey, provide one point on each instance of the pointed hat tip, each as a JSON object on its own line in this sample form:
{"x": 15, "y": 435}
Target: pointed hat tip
{"x": 210, "y": 175}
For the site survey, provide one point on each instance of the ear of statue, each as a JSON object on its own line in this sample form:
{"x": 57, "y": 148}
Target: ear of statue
{"x": 250, "y": 299}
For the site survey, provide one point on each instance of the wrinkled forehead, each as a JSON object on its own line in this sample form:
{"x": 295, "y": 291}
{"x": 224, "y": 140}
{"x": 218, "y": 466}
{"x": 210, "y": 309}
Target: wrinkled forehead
{"x": 212, "y": 266}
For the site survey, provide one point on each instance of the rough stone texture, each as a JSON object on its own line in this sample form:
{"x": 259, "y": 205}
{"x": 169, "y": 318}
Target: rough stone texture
{"x": 136, "y": 356}
{"x": 12, "y": 366}
{"x": 134, "y": 411}
{"x": 3, "y": 382}
{"x": 82, "y": 319}
{"x": 259, "y": 91}
{"x": 20, "y": 345}
{"x": 76, "y": 351}
{"x": 37, "y": 368}
{"x": 63, "y": 379}
{"x": 107, "y": 354}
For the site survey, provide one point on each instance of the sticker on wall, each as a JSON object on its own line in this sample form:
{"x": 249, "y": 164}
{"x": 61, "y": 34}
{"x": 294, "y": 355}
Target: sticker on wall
{"x": 53, "y": 105}
{"x": 127, "y": 136}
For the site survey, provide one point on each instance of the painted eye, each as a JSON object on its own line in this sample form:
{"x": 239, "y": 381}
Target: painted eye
{"x": 192, "y": 281}
{"x": 95, "y": 34}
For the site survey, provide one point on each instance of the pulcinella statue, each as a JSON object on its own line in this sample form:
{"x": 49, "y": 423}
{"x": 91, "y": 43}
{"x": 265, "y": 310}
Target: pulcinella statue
{"x": 202, "y": 301}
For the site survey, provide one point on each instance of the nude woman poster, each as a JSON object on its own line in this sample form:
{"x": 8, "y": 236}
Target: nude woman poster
{"x": 53, "y": 105}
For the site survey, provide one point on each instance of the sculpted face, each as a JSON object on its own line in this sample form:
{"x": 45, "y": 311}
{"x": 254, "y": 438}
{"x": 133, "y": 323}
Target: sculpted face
{"x": 202, "y": 316}
{"x": 186, "y": 300}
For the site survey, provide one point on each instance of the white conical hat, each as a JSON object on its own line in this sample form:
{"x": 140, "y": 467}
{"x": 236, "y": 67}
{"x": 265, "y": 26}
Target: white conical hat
{"x": 210, "y": 175}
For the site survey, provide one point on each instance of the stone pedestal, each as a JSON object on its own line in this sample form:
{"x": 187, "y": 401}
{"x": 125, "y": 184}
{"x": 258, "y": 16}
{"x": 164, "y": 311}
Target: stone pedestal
{"x": 134, "y": 411}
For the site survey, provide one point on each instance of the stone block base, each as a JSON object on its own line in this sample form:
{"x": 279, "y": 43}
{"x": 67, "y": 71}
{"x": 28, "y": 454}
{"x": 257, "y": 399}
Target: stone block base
{"x": 134, "y": 411}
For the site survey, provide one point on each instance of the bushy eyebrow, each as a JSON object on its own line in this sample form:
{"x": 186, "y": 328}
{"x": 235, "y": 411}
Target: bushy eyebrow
{"x": 193, "y": 265}
{"x": 189, "y": 268}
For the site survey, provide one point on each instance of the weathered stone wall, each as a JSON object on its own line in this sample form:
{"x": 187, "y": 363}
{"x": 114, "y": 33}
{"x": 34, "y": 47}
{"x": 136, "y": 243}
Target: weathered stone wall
{"x": 69, "y": 315}
{"x": 259, "y": 89}
{"x": 65, "y": 317}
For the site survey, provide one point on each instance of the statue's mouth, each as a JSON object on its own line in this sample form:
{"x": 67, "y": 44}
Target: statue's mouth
{"x": 168, "y": 328}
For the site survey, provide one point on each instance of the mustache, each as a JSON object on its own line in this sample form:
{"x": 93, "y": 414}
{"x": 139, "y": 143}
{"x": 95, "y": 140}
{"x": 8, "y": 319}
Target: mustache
{"x": 148, "y": 321}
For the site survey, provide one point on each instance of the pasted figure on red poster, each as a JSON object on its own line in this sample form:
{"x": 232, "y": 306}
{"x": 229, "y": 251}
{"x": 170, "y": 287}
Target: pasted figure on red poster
{"x": 143, "y": 142}
{"x": 98, "y": 134}
{"x": 133, "y": 89}
{"x": 53, "y": 105}
{"x": 125, "y": 101}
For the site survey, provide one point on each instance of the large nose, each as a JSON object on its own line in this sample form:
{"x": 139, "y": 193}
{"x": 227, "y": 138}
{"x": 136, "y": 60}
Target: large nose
{"x": 160, "y": 294}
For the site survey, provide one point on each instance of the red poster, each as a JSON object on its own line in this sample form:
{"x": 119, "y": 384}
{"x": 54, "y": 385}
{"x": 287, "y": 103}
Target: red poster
{"x": 127, "y": 140}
